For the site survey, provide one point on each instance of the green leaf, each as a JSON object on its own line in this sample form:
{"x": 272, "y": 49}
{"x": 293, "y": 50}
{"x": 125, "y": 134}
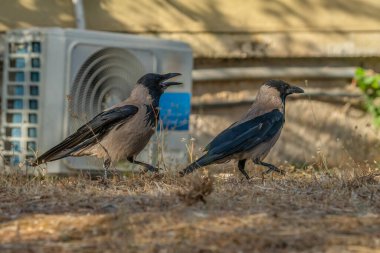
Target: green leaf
{"x": 368, "y": 80}
{"x": 360, "y": 72}
{"x": 369, "y": 84}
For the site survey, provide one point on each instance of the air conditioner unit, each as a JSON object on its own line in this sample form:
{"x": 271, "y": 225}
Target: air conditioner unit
{"x": 55, "y": 80}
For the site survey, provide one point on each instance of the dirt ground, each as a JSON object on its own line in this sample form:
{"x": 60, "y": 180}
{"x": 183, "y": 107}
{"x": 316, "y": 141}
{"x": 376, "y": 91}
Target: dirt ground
{"x": 314, "y": 209}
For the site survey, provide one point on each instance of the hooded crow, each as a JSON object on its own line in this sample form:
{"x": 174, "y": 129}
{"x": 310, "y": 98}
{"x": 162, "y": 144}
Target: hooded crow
{"x": 120, "y": 132}
{"x": 253, "y": 136}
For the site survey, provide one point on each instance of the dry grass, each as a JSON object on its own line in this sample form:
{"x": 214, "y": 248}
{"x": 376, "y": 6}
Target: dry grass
{"x": 304, "y": 211}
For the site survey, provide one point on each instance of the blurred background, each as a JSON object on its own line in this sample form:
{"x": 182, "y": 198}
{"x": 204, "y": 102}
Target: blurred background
{"x": 317, "y": 45}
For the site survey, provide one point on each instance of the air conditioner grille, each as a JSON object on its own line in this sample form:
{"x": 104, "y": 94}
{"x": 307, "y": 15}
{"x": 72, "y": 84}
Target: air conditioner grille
{"x": 106, "y": 78}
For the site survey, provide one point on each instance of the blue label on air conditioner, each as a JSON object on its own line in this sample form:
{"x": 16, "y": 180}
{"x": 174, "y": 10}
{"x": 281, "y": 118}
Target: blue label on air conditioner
{"x": 175, "y": 111}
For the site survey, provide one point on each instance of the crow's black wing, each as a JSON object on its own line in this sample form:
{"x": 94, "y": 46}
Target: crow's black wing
{"x": 89, "y": 133}
{"x": 245, "y": 136}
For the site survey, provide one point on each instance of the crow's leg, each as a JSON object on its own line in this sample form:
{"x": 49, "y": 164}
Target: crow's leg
{"x": 147, "y": 167}
{"x": 106, "y": 165}
{"x": 270, "y": 167}
{"x": 106, "y": 162}
{"x": 241, "y": 165}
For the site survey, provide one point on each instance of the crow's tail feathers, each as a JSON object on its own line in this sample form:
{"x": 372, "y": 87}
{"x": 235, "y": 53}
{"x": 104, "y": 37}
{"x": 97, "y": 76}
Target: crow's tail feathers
{"x": 189, "y": 169}
{"x": 64, "y": 149}
{"x": 203, "y": 161}
{"x": 48, "y": 157}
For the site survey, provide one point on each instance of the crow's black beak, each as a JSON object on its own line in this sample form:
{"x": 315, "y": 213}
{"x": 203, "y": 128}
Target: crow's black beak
{"x": 294, "y": 89}
{"x": 168, "y": 76}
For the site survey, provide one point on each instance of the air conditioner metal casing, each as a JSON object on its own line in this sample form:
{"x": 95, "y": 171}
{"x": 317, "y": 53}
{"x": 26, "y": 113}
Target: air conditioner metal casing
{"x": 62, "y": 54}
